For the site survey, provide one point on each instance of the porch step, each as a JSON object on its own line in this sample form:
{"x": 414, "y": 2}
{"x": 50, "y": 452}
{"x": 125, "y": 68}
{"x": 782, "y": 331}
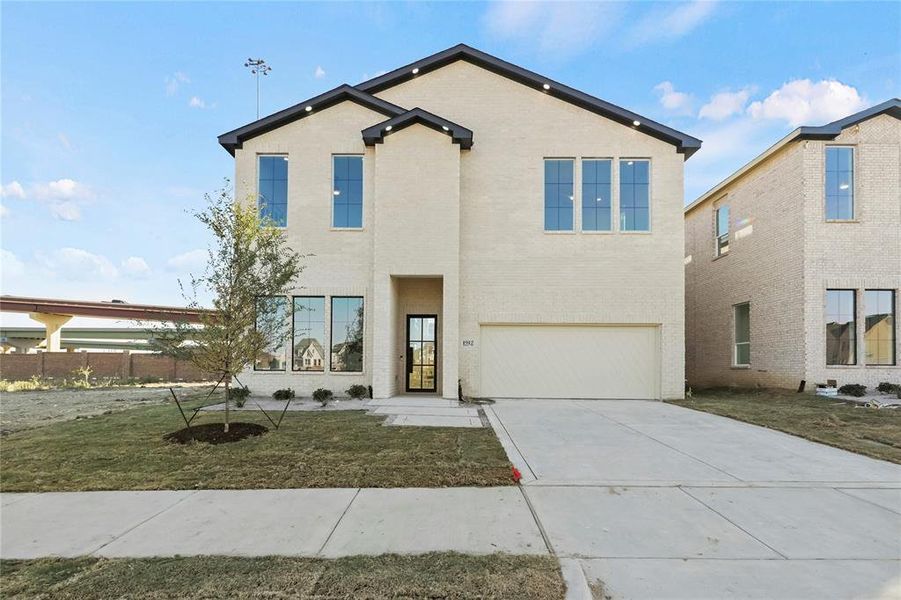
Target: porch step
{"x": 407, "y": 401}
{"x": 433, "y": 411}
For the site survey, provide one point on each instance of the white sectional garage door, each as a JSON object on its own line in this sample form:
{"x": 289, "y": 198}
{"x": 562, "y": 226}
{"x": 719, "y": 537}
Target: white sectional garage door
{"x": 569, "y": 361}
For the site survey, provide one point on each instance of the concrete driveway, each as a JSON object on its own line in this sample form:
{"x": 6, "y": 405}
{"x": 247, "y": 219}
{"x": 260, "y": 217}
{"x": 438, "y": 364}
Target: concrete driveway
{"x": 659, "y": 501}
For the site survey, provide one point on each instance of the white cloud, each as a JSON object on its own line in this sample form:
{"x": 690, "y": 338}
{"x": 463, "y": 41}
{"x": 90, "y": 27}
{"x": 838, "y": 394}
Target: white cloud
{"x": 78, "y": 264}
{"x": 725, "y": 104}
{"x": 193, "y": 260}
{"x": 670, "y": 22}
{"x": 13, "y": 189}
{"x": 174, "y": 81}
{"x": 61, "y": 189}
{"x": 319, "y": 73}
{"x": 559, "y": 28}
{"x": 803, "y": 102}
{"x": 673, "y": 101}
{"x": 135, "y": 266}
{"x": 10, "y": 265}
{"x": 197, "y": 102}
{"x": 65, "y": 210}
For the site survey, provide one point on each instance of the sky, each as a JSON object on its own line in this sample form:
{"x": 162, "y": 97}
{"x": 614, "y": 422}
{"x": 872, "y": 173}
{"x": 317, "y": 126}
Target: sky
{"x": 109, "y": 112}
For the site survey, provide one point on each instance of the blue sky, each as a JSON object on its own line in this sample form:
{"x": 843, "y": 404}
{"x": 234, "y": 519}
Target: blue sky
{"x": 110, "y": 111}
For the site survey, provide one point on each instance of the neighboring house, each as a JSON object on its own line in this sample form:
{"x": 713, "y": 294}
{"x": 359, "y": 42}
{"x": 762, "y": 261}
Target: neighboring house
{"x": 466, "y": 219}
{"x": 793, "y": 263}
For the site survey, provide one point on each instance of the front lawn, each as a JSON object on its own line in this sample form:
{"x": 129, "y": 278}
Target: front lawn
{"x": 869, "y": 431}
{"x": 437, "y": 575}
{"x": 126, "y": 451}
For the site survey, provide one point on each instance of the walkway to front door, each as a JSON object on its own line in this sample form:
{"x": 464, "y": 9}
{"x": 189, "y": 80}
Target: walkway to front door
{"x": 422, "y": 342}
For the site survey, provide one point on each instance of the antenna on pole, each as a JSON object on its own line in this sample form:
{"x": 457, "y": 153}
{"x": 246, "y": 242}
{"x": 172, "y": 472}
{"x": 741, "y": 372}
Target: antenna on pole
{"x": 257, "y": 67}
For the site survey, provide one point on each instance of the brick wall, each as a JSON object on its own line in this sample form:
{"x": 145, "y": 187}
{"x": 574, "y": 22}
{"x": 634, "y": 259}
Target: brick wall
{"x": 59, "y": 365}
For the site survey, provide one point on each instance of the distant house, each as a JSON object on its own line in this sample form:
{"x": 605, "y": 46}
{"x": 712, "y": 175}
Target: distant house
{"x": 460, "y": 212}
{"x": 793, "y": 263}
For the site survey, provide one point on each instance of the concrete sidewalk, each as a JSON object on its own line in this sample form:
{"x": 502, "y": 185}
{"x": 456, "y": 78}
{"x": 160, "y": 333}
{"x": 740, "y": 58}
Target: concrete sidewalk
{"x": 301, "y": 522}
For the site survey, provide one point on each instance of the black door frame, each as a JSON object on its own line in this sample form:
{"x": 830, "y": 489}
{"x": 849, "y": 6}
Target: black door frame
{"x": 408, "y": 363}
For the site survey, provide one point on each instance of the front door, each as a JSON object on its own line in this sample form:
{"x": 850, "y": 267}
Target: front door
{"x": 422, "y": 352}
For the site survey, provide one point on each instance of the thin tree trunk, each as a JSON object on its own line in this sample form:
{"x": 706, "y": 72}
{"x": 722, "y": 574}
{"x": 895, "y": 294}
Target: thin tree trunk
{"x": 226, "y": 404}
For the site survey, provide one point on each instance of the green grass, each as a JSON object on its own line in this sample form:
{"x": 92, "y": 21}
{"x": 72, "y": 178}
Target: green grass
{"x": 437, "y": 575}
{"x": 869, "y": 431}
{"x": 126, "y": 451}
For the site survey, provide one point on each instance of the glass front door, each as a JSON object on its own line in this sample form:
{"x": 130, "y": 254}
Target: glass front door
{"x": 421, "y": 352}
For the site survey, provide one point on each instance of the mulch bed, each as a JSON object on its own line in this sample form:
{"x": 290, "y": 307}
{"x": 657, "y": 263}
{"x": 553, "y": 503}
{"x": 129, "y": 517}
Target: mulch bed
{"x": 213, "y": 433}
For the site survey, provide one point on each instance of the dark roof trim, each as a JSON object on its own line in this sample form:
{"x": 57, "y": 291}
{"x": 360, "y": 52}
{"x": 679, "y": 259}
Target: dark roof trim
{"x": 685, "y": 144}
{"x": 234, "y": 139}
{"x": 459, "y": 134}
{"x": 831, "y": 130}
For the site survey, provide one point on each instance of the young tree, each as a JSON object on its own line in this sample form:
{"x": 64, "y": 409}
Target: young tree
{"x": 250, "y": 271}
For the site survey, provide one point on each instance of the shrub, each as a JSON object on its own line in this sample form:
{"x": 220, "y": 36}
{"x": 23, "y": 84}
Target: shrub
{"x": 285, "y": 394}
{"x": 322, "y": 396}
{"x": 888, "y": 388}
{"x": 238, "y": 395}
{"x": 853, "y": 389}
{"x": 357, "y": 391}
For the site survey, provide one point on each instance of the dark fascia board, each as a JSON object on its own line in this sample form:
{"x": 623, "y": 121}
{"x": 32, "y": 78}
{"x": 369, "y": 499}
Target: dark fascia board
{"x": 831, "y": 130}
{"x": 684, "y": 143}
{"x": 459, "y": 134}
{"x": 234, "y": 139}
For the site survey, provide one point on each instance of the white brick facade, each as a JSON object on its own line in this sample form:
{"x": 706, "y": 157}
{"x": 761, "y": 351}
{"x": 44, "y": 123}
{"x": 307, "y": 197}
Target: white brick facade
{"x": 460, "y": 233}
{"x": 783, "y": 257}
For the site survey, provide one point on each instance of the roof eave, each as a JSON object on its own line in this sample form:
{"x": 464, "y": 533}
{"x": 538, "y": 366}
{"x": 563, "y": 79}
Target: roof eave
{"x": 685, "y": 144}
{"x": 375, "y": 134}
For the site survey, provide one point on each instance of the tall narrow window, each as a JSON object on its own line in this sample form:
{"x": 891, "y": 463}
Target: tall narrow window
{"x": 347, "y": 192}
{"x": 272, "y": 311}
{"x": 839, "y": 183}
{"x": 596, "y": 195}
{"x": 347, "y": 334}
{"x": 742, "y": 354}
{"x": 558, "y": 195}
{"x": 272, "y": 190}
{"x": 879, "y": 327}
{"x": 309, "y": 334}
{"x": 634, "y": 198}
{"x": 841, "y": 325}
{"x": 722, "y": 230}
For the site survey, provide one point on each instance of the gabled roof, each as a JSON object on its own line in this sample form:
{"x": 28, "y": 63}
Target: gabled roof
{"x": 234, "y": 139}
{"x": 459, "y": 134}
{"x": 684, "y": 143}
{"x": 829, "y": 131}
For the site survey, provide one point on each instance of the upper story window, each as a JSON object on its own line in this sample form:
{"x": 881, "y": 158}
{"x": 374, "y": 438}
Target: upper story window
{"x": 271, "y": 314}
{"x": 309, "y": 333}
{"x": 722, "y": 229}
{"x": 879, "y": 327}
{"x": 596, "y": 211}
{"x": 634, "y": 195}
{"x": 347, "y": 192}
{"x": 272, "y": 190}
{"x": 741, "y": 356}
{"x": 841, "y": 326}
{"x": 558, "y": 195}
{"x": 839, "y": 183}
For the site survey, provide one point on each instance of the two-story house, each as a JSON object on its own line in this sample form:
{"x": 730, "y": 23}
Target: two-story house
{"x": 469, "y": 220}
{"x": 793, "y": 263}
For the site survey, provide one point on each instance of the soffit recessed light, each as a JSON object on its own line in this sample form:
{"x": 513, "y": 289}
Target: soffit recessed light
{"x": 546, "y": 86}
{"x": 445, "y": 128}
{"x": 636, "y": 123}
{"x": 309, "y": 108}
{"x": 416, "y": 70}
{"x": 388, "y": 128}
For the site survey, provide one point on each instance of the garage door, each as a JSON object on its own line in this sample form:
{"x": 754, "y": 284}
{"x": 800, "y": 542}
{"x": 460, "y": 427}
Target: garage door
{"x": 569, "y": 361}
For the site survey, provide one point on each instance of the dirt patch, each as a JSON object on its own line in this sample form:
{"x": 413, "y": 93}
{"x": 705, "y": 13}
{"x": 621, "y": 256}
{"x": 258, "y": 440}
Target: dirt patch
{"x": 26, "y": 410}
{"x": 214, "y": 433}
